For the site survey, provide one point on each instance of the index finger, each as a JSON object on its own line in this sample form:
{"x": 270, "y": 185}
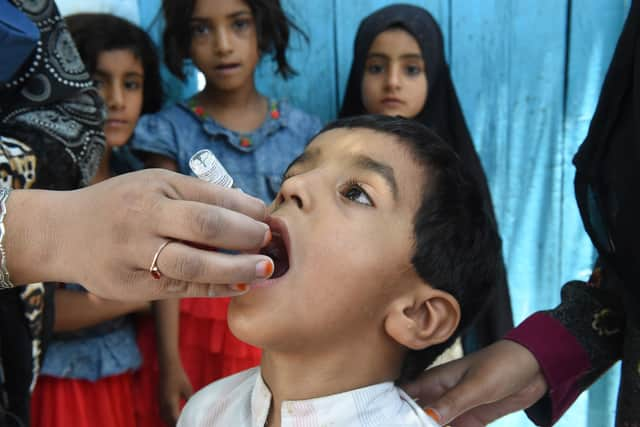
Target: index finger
{"x": 207, "y": 225}
{"x": 194, "y": 189}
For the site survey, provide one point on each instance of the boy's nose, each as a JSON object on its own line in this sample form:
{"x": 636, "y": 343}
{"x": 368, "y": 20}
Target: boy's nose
{"x": 293, "y": 191}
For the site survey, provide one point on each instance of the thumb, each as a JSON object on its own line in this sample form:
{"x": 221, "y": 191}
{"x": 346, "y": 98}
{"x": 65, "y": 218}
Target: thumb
{"x": 458, "y": 400}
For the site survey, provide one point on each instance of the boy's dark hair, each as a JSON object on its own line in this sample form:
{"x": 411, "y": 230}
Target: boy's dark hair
{"x": 95, "y": 33}
{"x": 272, "y": 27}
{"x": 457, "y": 246}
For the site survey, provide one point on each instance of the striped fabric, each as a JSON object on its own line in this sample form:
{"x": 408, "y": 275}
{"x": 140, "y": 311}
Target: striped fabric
{"x": 243, "y": 400}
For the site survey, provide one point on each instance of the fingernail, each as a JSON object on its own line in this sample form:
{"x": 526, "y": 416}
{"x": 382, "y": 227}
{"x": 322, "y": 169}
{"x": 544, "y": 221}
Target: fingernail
{"x": 267, "y": 237}
{"x": 264, "y": 269}
{"x": 239, "y": 287}
{"x": 433, "y": 414}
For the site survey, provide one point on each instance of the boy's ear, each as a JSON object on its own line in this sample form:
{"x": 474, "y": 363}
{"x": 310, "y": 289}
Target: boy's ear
{"x": 423, "y": 317}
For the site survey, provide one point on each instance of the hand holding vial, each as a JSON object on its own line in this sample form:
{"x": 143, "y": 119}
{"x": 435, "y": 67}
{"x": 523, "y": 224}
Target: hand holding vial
{"x": 109, "y": 236}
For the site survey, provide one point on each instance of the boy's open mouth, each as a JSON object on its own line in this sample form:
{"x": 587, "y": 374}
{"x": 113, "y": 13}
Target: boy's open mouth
{"x": 278, "y": 249}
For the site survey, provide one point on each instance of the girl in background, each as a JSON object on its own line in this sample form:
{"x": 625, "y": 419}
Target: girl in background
{"x": 253, "y": 136}
{"x": 399, "y": 68}
{"x": 87, "y": 373}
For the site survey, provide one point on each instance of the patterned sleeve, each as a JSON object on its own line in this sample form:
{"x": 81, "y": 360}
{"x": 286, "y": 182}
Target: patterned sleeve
{"x": 51, "y": 137}
{"x": 156, "y": 135}
{"x": 50, "y": 114}
{"x": 575, "y": 343}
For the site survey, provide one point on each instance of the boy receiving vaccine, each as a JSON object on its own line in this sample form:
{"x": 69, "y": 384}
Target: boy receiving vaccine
{"x": 253, "y": 135}
{"x": 384, "y": 251}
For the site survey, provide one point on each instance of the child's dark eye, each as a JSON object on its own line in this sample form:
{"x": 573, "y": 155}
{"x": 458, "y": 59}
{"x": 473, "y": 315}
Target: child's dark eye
{"x": 375, "y": 68}
{"x": 98, "y": 83}
{"x": 132, "y": 85}
{"x": 241, "y": 24}
{"x": 413, "y": 70}
{"x": 199, "y": 29}
{"x": 356, "y": 194}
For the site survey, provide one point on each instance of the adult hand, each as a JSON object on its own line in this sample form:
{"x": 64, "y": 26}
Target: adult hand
{"x": 105, "y": 237}
{"x": 481, "y": 387}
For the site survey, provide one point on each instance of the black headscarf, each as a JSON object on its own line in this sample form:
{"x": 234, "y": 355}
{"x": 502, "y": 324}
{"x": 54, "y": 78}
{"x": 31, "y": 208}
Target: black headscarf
{"x": 608, "y": 162}
{"x": 441, "y": 113}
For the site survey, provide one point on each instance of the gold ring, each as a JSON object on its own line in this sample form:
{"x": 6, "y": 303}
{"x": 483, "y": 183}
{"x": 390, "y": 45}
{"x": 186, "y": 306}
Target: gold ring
{"x": 154, "y": 270}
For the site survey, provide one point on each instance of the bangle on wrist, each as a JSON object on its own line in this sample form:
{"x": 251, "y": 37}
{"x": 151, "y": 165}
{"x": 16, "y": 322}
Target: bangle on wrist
{"x": 5, "y": 283}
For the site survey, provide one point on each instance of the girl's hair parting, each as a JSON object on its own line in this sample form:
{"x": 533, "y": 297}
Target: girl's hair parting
{"x": 272, "y": 24}
{"x": 94, "y": 33}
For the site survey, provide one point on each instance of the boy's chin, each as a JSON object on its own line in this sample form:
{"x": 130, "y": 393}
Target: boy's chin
{"x": 243, "y": 327}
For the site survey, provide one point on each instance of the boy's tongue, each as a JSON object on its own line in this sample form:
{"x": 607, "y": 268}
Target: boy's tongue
{"x": 277, "y": 251}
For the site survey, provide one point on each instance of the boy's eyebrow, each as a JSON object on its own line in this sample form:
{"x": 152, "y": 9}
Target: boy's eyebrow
{"x": 385, "y": 171}
{"x": 306, "y": 157}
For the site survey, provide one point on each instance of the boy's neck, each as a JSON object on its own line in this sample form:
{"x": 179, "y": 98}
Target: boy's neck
{"x": 302, "y": 377}
{"x": 242, "y": 110}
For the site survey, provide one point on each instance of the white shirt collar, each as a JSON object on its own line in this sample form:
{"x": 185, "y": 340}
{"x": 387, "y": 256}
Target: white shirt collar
{"x": 243, "y": 400}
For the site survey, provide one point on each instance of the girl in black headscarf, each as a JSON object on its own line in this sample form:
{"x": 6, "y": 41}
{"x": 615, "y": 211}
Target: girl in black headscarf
{"x": 399, "y": 68}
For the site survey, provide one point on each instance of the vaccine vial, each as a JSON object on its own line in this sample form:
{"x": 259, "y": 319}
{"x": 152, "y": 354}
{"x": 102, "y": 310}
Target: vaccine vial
{"x": 206, "y": 166}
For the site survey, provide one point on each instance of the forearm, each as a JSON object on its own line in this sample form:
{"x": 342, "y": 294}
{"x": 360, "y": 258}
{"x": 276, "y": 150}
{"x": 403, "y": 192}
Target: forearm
{"x": 31, "y": 240}
{"x": 77, "y": 310}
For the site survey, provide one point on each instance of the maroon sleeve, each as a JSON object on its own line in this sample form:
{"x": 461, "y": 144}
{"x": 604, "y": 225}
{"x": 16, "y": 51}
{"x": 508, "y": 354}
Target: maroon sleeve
{"x": 561, "y": 357}
{"x": 576, "y": 342}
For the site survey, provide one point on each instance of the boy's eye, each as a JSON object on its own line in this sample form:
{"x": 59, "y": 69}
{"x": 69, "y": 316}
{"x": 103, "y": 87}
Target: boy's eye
{"x": 98, "y": 83}
{"x": 356, "y": 194}
{"x": 413, "y": 70}
{"x": 375, "y": 68}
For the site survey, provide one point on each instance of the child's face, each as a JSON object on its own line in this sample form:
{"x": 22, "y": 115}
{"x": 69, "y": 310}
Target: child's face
{"x": 394, "y": 81}
{"x": 343, "y": 242}
{"x": 224, "y": 43}
{"x": 119, "y": 77}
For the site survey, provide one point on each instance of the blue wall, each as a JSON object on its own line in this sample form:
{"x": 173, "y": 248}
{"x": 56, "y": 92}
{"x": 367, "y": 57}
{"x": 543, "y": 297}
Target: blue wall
{"x": 528, "y": 74}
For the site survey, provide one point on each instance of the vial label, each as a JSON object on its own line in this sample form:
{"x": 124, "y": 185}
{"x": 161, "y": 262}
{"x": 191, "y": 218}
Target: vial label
{"x": 206, "y": 166}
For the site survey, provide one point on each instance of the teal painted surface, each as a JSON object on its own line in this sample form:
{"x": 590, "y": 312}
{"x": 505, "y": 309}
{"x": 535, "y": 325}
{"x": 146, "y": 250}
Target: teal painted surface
{"x": 314, "y": 86}
{"x": 528, "y": 74}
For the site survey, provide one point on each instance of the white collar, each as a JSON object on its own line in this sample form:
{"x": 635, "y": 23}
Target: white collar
{"x": 243, "y": 400}
{"x": 381, "y": 404}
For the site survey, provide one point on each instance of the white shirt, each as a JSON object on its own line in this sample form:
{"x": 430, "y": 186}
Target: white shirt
{"x": 243, "y": 400}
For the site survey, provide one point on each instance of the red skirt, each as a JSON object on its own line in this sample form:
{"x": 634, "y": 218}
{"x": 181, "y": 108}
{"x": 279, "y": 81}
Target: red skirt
{"x": 208, "y": 350}
{"x": 107, "y": 402}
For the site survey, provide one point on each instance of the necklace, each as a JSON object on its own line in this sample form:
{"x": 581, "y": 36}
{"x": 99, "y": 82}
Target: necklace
{"x": 245, "y": 138}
